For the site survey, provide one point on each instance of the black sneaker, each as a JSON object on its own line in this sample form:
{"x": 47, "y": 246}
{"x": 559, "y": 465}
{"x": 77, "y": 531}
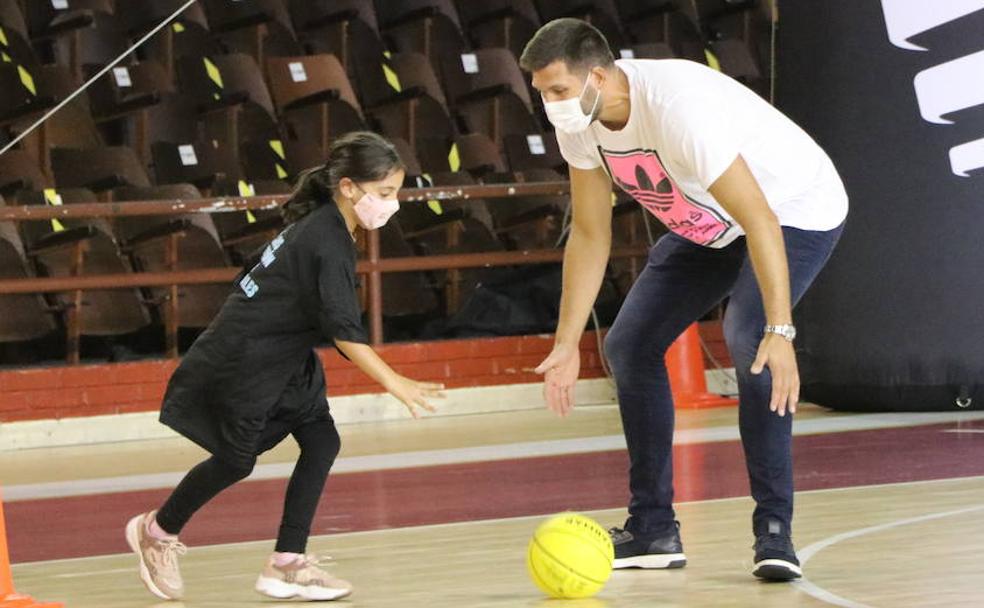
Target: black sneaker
{"x": 775, "y": 557}
{"x": 632, "y": 551}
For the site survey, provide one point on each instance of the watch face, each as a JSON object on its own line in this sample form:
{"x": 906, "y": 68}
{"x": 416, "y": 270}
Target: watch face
{"x": 786, "y": 331}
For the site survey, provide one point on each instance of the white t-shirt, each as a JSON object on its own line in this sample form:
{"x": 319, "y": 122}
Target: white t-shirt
{"x": 687, "y": 124}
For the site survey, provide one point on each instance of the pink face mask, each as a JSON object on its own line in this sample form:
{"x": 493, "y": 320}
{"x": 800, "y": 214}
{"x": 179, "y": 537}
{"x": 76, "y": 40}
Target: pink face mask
{"x": 374, "y": 211}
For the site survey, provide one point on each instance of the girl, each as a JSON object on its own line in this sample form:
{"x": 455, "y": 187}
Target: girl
{"x": 253, "y": 377}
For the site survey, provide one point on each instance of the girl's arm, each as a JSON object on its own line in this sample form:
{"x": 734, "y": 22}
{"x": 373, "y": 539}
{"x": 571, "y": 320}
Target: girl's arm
{"x": 410, "y": 392}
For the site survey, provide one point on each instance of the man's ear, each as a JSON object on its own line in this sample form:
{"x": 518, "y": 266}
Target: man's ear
{"x": 601, "y": 75}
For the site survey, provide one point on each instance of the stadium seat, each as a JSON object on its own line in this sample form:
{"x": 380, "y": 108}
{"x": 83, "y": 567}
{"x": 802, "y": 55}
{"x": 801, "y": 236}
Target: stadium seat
{"x": 430, "y": 27}
{"x": 196, "y": 245}
{"x": 23, "y": 317}
{"x": 528, "y": 222}
{"x": 416, "y": 105}
{"x": 499, "y": 23}
{"x": 186, "y": 36}
{"x": 207, "y": 165}
{"x": 232, "y": 97}
{"x": 78, "y": 248}
{"x": 736, "y": 60}
{"x": 407, "y": 296}
{"x": 488, "y": 91}
{"x": 602, "y": 14}
{"x": 20, "y": 171}
{"x": 127, "y": 89}
{"x": 347, "y": 29}
{"x": 313, "y": 97}
{"x": 260, "y": 28}
{"x": 97, "y": 169}
{"x": 48, "y": 19}
{"x": 647, "y": 50}
{"x": 533, "y": 151}
{"x": 279, "y": 159}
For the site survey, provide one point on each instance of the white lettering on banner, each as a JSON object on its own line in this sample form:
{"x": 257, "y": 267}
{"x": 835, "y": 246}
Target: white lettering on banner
{"x": 967, "y": 157}
{"x": 906, "y": 18}
{"x": 948, "y": 87}
{"x": 954, "y": 85}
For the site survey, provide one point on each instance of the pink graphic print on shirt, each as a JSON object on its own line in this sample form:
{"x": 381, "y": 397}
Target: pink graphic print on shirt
{"x": 641, "y": 175}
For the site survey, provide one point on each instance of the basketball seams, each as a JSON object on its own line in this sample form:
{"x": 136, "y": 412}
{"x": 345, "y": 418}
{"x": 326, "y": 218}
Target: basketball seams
{"x": 539, "y": 545}
{"x": 559, "y": 569}
{"x": 575, "y": 521}
{"x": 531, "y": 564}
{"x": 560, "y": 530}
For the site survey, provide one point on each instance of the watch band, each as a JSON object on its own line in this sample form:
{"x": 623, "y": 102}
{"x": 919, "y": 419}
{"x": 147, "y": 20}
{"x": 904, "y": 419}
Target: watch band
{"x": 786, "y": 331}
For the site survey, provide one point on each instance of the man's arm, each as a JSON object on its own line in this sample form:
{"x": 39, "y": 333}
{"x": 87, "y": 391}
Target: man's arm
{"x": 585, "y": 259}
{"x": 739, "y": 194}
{"x": 586, "y": 253}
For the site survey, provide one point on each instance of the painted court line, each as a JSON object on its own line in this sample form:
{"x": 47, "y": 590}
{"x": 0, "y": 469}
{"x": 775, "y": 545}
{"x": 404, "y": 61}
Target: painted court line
{"x": 485, "y": 453}
{"x": 92, "y": 573}
{"x": 457, "y": 524}
{"x": 810, "y": 551}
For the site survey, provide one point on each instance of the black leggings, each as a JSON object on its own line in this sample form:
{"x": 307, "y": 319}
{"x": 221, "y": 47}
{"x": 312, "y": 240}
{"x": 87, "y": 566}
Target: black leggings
{"x": 319, "y": 444}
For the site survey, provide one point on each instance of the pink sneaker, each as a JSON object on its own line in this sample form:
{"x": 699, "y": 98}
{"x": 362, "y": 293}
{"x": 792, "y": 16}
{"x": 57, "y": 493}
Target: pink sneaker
{"x": 301, "y": 578}
{"x": 158, "y": 558}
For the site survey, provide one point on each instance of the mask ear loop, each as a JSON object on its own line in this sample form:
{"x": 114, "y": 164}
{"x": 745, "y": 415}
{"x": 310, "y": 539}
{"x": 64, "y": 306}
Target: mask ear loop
{"x": 594, "y": 106}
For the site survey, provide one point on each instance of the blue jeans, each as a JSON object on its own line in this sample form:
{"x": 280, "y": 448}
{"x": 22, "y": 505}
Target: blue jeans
{"x": 681, "y": 283}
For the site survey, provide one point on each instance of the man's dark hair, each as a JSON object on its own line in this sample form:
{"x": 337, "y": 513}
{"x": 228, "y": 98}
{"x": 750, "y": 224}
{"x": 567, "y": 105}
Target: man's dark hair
{"x": 577, "y": 43}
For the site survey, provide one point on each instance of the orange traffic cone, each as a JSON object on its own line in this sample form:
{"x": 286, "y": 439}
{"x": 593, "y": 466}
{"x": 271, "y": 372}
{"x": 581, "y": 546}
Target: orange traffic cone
{"x": 685, "y": 365}
{"x": 8, "y": 597}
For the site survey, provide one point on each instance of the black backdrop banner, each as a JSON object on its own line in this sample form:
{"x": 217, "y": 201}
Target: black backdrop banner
{"x": 894, "y": 91}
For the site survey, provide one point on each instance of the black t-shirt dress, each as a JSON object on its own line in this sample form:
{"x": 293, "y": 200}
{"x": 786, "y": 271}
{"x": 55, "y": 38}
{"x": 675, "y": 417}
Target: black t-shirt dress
{"x": 253, "y": 375}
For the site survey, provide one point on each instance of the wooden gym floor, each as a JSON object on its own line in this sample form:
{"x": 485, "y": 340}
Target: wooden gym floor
{"x": 438, "y": 512}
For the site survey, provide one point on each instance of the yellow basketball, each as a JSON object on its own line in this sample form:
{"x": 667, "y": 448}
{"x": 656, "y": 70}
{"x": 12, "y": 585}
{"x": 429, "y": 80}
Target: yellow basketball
{"x": 570, "y": 556}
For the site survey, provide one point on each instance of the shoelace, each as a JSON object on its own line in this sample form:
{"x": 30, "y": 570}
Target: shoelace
{"x": 316, "y": 560}
{"x": 619, "y": 535}
{"x": 772, "y": 542}
{"x": 171, "y": 549}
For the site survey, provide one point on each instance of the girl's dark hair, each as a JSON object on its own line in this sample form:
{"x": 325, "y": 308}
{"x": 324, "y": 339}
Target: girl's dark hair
{"x": 361, "y": 156}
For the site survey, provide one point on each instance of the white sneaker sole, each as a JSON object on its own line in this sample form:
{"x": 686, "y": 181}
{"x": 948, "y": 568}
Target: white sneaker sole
{"x": 133, "y": 539}
{"x": 777, "y": 570}
{"x": 652, "y": 562}
{"x": 281, "y": 590}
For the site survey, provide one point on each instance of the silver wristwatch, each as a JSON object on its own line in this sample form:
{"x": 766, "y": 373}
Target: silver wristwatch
{"x": 786, "y": 331}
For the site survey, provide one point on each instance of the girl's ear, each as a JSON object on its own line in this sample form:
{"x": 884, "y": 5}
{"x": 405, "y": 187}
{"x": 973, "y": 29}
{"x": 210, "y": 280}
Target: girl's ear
{"x": 347, "y": 188}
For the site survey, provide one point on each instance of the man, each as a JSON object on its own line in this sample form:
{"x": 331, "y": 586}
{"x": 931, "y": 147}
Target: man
{"x": 754, "y": 208}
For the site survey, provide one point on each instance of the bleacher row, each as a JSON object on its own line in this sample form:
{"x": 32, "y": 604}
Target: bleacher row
{"x": 235, "y": 97}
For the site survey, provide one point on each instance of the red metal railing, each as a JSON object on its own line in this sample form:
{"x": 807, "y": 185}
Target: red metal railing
{"x": 372, "y": 267}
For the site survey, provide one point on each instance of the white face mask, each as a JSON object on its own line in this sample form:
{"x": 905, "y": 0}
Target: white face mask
{"x": 373, "y": 211}
{"x": 567, "y": 115}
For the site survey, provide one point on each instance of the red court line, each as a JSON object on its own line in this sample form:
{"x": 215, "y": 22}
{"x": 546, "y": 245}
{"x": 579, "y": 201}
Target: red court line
{"x": 93, "y": 525}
